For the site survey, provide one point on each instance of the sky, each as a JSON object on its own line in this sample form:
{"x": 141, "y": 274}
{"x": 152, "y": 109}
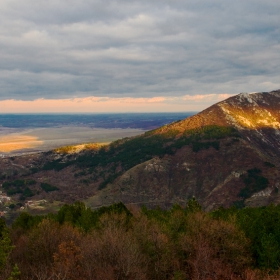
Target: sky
{"x": 135, "y": 56}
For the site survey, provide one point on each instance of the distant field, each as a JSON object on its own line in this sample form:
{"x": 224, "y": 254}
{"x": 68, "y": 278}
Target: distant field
{"x": 45, "y": 139}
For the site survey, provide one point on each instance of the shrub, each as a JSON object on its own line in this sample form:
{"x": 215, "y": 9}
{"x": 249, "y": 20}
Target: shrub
{"x": 254, "y": 182}
{"x": 48, "y": 188}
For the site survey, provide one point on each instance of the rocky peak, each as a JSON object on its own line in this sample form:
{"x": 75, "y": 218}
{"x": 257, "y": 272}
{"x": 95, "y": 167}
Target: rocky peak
{"x": 255, "y": 115}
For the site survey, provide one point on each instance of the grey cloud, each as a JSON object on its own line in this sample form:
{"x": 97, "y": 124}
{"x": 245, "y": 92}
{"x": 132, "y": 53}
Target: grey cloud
{"x": 64, "y": 49}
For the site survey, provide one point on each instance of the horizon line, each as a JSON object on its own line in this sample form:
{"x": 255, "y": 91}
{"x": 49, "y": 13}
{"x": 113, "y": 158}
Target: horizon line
{"x": 95, "y": 113}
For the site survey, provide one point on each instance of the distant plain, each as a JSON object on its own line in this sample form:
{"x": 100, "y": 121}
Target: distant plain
{"x": 44, "y": 139}
{"x": 23, "y": 133}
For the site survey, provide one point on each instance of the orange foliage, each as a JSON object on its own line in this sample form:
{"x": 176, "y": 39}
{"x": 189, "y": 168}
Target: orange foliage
{"x": 67, "y": 262}
{"x": 193, "y": 246}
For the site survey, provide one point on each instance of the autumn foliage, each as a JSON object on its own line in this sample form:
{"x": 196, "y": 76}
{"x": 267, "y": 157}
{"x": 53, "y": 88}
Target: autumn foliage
{"x": 140, "y": 244}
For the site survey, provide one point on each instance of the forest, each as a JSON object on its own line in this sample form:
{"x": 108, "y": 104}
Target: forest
{"x": 125, "y": 242}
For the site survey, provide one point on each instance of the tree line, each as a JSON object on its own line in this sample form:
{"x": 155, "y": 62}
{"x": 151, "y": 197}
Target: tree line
{"x": 119, "y": 242}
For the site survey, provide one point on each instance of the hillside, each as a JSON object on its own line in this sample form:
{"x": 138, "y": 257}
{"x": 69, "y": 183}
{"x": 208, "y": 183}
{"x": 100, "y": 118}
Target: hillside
{"x": 256, "y": 116}
{"x": 227, "y": 154}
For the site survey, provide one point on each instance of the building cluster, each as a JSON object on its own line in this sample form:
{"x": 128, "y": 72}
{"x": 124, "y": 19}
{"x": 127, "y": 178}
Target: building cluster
{"x": 4, "y": 198}
{"x": 35, "y": 203}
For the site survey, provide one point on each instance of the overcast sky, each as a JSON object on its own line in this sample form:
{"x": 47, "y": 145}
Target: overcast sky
{"x": 173, "y": 55}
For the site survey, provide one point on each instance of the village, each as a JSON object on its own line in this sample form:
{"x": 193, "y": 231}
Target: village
{"x": 6, "y": 204}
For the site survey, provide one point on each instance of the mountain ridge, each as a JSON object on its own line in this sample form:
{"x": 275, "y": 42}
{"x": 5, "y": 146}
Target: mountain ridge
{"x": 225, "y": 155}
{"x": 252, "y": 114}
{"x": 256, "y": 119}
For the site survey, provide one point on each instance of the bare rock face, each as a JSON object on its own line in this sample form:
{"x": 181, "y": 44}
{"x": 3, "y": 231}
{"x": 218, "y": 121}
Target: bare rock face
{"x": 257, "y": 117}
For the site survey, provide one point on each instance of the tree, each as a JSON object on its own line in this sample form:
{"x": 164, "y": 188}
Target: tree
{"x": 15, "y": 273}
{"x": 68, "y": 261}
{"x": 214, "y": 249}
{"x": 193, "y": 206}
{"x": 5, "y": 244}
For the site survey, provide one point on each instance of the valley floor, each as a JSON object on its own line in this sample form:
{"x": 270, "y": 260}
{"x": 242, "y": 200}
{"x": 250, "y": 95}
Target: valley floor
{"x": 44, "y": 139}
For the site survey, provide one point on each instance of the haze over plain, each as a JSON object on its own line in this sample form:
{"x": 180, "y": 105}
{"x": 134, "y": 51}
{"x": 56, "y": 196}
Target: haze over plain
{"x": 87, "y": 56}
{"x": 25, "y": 133}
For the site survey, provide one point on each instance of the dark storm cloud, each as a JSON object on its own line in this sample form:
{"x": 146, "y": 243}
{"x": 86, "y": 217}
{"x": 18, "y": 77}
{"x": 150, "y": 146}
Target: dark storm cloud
{"x": 59, "y": 49}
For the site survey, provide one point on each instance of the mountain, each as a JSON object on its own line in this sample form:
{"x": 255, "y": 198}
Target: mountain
{"x": 226, "y": 155}
{"x": 256, "y": 116}
{"x": 232, "y": 159}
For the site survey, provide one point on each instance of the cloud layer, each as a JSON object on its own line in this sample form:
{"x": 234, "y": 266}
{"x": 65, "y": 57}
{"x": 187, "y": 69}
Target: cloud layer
{"x": 111, "y": 104}
{"x": 137, "y": 49}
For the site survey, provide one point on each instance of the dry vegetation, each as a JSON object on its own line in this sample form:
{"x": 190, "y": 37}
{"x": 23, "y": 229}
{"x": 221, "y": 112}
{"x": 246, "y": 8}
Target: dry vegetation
{"x": 71, "y": 149}
{"x": 115, "y": 243}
